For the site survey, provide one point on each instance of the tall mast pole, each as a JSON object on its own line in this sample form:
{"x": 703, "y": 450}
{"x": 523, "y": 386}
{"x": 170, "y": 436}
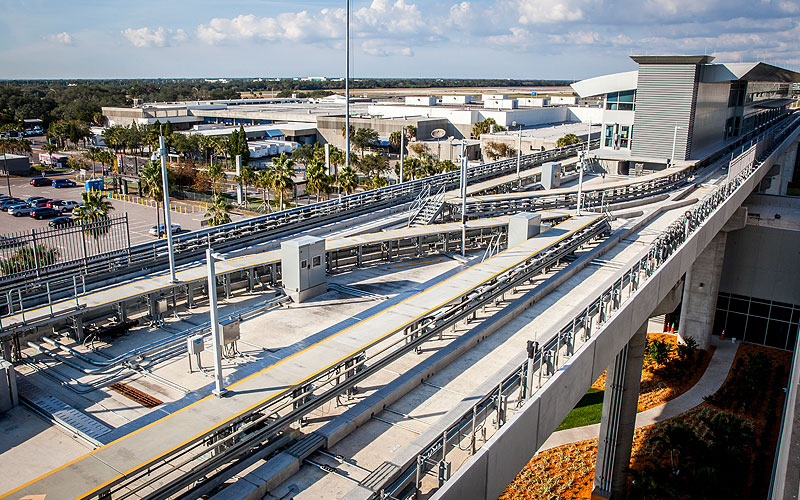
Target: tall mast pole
{"x": 347, "y": 89}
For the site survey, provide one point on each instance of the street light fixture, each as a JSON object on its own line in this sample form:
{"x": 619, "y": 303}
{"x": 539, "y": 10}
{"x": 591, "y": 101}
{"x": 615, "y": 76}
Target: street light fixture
{"x": 167, "y": 220}
{"x": 519, "y": 147}
{"x": 219, "y": 389}
{"x": 463, "y": 197}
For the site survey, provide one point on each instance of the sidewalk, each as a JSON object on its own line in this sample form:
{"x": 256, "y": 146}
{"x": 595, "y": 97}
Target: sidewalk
{"x": 709, "y": 383}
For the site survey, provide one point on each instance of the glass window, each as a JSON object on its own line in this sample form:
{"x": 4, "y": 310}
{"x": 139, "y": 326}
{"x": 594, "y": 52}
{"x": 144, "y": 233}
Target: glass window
{"x": 624, "y": 136}
{"x": 759, "y": 308}
{"x": 777, "y": 333}
{"x": 722, "y": 301}
{"x": 756, "y": 330}
{"x": 781, "y": 313}
{"x": 623, "y": 101}
{"x": 609, "y": 136}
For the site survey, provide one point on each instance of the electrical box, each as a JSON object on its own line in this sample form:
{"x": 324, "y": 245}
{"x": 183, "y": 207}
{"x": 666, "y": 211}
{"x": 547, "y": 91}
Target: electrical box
{"x": 230, "y": 330}
{"x": 9, "y": 397}
{"x": 522, "y": 227}
{"x": 161, "y": 305}
{"x": 551, "y": 174}
{"x": 195, "y": 345}
{"x": 303, "y": 267}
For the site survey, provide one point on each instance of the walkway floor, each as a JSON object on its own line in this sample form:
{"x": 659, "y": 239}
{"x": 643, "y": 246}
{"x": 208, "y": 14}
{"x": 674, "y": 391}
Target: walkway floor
{"x": 709, "y": 383}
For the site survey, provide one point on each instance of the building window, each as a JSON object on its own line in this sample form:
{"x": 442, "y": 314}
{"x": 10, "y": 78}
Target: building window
{"x": 758, "y": 321}
{"x": 609, "y": 136}
{"x": 622, "y": 101}
{"x": 624, "y": 136}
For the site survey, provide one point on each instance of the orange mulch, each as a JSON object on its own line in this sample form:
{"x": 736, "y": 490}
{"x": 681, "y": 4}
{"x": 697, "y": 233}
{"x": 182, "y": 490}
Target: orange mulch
{"x": 568, "y": 471}
{"x": 654, "y": 390}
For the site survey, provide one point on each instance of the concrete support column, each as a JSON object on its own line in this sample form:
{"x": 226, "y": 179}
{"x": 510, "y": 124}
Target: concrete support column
{"x": 619, "y": 419}
{"x": 700, "y": 293}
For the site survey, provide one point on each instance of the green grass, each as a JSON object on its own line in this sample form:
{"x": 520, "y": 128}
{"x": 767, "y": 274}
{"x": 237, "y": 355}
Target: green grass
{"x": 586, "y": 412}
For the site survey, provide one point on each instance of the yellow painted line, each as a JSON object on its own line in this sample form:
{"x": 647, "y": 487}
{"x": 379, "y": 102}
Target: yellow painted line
{"x": 414, "y": 264}
{"x": 373, "y": 342}
{"x": 279, "y": 393}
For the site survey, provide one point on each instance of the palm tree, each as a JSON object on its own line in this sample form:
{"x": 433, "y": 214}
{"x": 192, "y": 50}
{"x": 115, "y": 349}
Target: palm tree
{"x": 264, "y": 182}
{"x": 93, "y": 212}
{"x": 246, "y": 178}
{"x": 348, "y": 180}
{"x": 215, "y": 174}
{"x": 282, "y": 169}
{"x": 152, "y": 186}
{"x": 317, "y": 179}
{"x": 218, "y": 211}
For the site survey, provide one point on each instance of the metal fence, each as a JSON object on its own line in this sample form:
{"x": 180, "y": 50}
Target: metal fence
{"x": 38, "y": 250}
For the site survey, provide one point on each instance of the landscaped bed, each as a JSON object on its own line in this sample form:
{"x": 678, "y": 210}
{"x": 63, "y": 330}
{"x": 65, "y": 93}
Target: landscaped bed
{"x": 722, "y": 448}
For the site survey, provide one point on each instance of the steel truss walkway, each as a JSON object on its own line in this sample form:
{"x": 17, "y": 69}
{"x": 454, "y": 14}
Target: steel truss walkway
{"x": 157, "y": 460}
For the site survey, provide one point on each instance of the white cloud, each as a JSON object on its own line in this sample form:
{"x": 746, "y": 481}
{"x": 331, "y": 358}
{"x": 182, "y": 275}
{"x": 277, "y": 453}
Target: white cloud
{"x": 158, "y": 37}
{"x": 63, "y": 38}
{"x": 550, "y": 11}
{"x": 382, "y": 48}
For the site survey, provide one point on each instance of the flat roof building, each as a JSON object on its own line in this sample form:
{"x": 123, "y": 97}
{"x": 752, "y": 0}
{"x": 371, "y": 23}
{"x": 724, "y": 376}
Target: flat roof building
{"x": 685, "y": 104}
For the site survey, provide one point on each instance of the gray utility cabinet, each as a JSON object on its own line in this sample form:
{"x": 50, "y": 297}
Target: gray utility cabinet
{"x": 551, "y": 174}
{"x": 303, "y": 267}
{"x": 522, "y": 227}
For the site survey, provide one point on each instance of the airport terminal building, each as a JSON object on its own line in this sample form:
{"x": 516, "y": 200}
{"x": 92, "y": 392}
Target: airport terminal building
{"x": 680, "y": 108}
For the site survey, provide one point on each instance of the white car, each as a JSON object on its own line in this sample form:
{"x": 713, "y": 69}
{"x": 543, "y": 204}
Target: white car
{"x": 162, "y": 229}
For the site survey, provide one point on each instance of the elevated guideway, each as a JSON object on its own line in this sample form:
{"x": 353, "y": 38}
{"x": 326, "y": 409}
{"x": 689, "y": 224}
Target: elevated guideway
{"x": 188, "y": 246}
{"x": 351, "y": 250}
{"x": 158, "y": 460}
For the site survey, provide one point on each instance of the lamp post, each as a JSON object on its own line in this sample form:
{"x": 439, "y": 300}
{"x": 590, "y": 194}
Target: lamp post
{"x": 5, "y": 167}
{"x": 219, "y": 389}
{"x": 674, "y": 140}
{"x": 402, "y": 155}
{"x": 519, "y": 148}
{"x": 347, "y": 87}
{"x": 580, "y": 182}
{"x": 463, "y": 197}
{"x": 167, "y": 220}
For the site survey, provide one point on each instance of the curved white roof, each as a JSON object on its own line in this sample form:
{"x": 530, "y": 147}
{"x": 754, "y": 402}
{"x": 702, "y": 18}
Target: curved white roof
{"x": 600, "y": 85}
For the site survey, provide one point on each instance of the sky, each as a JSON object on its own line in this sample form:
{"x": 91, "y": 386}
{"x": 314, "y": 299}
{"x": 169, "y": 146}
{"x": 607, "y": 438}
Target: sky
{"x": 518, "y": 39}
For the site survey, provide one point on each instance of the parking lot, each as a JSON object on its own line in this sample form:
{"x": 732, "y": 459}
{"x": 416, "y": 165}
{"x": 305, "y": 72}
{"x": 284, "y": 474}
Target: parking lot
{"x": 140, "y": 217}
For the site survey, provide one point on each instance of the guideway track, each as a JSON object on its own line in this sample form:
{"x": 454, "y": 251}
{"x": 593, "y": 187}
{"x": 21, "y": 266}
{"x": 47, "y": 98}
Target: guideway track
{"x": 187, "y": 247}
{"x": 265, "y": 403}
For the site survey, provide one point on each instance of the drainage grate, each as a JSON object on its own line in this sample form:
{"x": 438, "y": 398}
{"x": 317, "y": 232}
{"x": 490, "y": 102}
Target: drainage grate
{"x": 134, "y": 394}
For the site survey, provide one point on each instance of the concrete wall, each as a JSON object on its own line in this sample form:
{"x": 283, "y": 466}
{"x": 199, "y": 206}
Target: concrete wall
{"x": 491, "y": 469}
{"x": 764, "y": 263}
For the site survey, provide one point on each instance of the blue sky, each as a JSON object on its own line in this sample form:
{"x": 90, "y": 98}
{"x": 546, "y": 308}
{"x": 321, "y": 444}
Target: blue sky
{"x": 564, "y": 39}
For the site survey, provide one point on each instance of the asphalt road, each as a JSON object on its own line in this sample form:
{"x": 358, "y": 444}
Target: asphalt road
{"x": 140, "y": 217}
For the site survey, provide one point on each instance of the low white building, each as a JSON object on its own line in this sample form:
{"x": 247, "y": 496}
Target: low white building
{"x": 420, "y": 101}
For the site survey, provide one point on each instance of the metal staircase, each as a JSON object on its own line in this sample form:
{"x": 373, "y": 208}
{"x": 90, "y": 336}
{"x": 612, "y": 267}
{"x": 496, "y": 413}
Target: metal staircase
{"x": 428, "y": 208}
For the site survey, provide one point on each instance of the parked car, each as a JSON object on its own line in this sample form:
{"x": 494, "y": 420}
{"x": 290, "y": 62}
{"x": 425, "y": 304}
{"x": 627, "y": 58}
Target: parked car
{"x": 64, "y": 183}
{"x": 8, "y": 208}
{"x": 39, "y": 213}
{"x": 20, "y": 210}
{"x": 8, "y": 202}
{"x": 161, "y": 229}
{"x": 53, "y": 203}
{"x": 61, "y": 222}
{"x": 40, "y": 203}
{"x": 41, "y": 181}
{"x": 66, "y": 205}
{"x": 34, "y": 199}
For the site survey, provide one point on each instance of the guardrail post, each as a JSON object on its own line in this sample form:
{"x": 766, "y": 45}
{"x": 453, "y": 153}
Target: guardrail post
{"x": 35, "y": 252}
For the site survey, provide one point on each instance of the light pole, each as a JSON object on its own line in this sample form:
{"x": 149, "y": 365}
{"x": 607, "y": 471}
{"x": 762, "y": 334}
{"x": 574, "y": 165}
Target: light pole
{"x": 402, "y": 155}
{"x": 674, "y": 140}
{"x": 463, "y": 197}
{"x": 347, "y": 87}
{"x": 580, "y": 182}
{"x": 5, "y": 167}
{"x": 167, "y": 220}
{"x": 519, "y": 149}
{"x": 219, "y": 390}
